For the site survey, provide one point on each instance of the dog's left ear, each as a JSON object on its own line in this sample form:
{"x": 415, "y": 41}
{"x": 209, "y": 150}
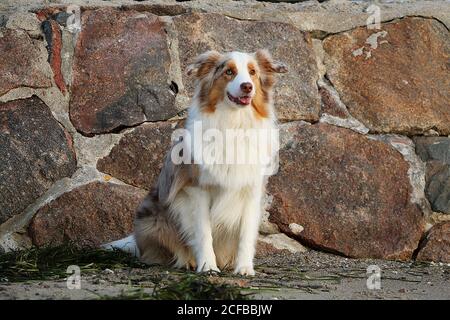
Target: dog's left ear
{"x": 267, "y": 64}
{"x": 204, "y": 63}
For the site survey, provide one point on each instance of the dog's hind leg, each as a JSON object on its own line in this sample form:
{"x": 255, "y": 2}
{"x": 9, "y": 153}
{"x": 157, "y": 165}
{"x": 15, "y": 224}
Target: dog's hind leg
{"x": 157, "y": 237}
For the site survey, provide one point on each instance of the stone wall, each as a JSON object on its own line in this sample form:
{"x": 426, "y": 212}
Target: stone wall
{"x": 86, "y": 116}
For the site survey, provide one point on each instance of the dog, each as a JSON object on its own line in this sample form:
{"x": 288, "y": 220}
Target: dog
{"x": 205, "y": 215}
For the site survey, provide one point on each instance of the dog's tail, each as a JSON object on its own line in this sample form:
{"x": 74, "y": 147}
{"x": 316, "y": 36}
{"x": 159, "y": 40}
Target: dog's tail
{"x": 127, "y": 244}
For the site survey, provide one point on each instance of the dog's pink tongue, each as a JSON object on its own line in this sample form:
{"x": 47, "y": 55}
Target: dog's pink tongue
{"x": 244, "y": 100}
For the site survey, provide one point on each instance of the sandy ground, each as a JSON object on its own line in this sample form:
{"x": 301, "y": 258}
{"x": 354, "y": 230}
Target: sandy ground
{"x": 311, "y": 275}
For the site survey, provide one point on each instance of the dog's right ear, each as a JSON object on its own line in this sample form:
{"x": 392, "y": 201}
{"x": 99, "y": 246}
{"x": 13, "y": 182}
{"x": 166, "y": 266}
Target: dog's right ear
{"x": 204, "y": 64}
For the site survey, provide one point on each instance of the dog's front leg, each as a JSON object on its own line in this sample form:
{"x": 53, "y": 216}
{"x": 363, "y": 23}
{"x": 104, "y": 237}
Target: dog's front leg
{"x": 201, "y": 236}
{"x": 249, "y": 232}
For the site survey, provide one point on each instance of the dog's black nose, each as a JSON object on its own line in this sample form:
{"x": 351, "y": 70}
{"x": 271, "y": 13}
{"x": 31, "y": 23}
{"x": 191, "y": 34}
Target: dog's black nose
{"x": 246, "y": 87}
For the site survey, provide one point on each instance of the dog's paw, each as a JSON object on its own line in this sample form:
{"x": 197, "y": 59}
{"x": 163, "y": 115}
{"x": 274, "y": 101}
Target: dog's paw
{"x": 245, "y": 271}
{"x": 207, "y": 267}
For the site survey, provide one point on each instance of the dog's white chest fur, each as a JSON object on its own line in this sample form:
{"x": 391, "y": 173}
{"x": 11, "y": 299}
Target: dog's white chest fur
{"x": 233, "y": 149}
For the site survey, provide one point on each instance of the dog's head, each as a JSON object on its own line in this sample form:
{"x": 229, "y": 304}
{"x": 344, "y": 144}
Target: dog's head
{"x": 235, "y": 79}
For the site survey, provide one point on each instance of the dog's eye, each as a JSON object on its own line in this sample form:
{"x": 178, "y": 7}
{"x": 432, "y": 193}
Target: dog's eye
{"x": 229, "y": 72}
{"x": 252, "y": 72}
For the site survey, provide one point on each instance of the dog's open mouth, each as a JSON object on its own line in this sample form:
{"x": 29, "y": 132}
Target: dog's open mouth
{"x": 243, "y": 100}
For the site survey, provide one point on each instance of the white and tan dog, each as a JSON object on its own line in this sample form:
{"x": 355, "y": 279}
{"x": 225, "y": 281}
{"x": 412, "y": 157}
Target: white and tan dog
{"x": 205, "y": 213}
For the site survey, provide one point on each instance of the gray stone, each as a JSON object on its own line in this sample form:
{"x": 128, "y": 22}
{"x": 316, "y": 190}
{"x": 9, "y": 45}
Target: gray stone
{"x": 26, "y": 21}
{"x": 436, "y": 152}
{"x": 438, "y": 186}
{"x": 35, "y": 152}
{"x": 433, "y": 148}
